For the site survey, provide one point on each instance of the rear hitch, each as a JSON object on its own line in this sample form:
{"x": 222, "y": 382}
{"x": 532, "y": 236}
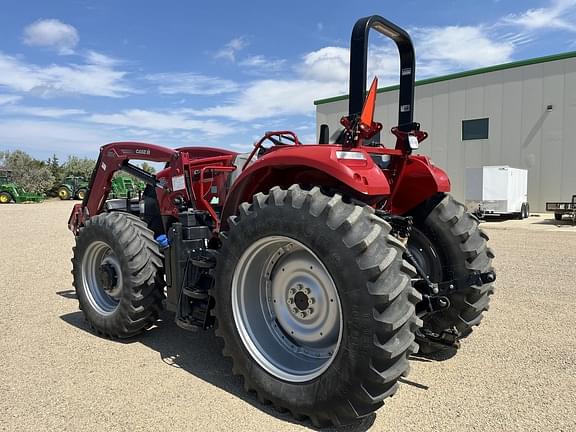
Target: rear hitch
{"x": 435, "y": 296}
{"x": 431, "y": 304}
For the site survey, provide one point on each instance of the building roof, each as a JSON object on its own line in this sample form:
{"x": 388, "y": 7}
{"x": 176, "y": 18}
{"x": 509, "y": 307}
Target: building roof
{"x": 472, "y": 72}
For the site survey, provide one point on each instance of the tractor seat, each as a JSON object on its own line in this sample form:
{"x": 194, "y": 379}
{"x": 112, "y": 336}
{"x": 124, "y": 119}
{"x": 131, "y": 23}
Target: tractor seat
{"x": 239, "y": 161}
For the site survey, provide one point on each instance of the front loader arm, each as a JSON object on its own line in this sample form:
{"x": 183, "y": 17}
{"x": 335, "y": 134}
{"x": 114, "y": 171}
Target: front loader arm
{"x": 116, "y": 156}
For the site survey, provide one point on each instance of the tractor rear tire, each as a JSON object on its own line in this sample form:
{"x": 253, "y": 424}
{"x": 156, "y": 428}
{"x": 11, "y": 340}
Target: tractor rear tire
{"x": 314, "y": 304}
{"x": 64, "y": 193}
{"x": 449, "y": 244}
{"x": 116, "y": 269}
{"x": 5, "y": 198}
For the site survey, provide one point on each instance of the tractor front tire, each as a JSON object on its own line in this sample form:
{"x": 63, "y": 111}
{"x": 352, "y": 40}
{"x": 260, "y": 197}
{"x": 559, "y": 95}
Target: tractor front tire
{"x": 81, "y": 194}
{"x": 558, "y": 216}
{"x": 448, "y": 243}
{"x": 64, "y": 193}
{"x": 116, "y": 268}
{"x": 314, "y": 304}
{"x": 5, "y": 197}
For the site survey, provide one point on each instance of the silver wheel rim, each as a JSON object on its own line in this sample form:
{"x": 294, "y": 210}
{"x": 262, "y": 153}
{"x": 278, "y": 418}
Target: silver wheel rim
{"x": 286, "y": 309}
{"x": 103, "y": 298}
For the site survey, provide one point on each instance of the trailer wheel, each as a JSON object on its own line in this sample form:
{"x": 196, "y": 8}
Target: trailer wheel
{"x": 449, "y": 244}
{"x": 314, "y": 304}
{"x": 5, "y": 197}
{"x": 558, "y": 216}
{"x": 64, "y": 193}
{"x": 524, "y": 211}
{"x": 116, "y": 268}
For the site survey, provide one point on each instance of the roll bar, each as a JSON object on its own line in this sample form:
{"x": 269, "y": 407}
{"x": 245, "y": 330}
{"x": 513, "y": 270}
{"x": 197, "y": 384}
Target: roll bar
{"x": 359, "y": 60}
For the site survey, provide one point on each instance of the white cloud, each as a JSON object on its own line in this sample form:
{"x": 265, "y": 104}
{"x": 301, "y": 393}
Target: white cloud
{"x": 327, "y": 64}
{"x": 560, "y": 14}
{"x": 55, "y": 80}
{"x": 96, "y": 58}
{"x": 271, "y": 98}
{"x": 229, "y": 51}
{"x": 160, "y": 121}
{"x": 191, "y": 83}
{"x": 9, "y": 99}
{"x": 260, "y": 65}
{"x": 52, "y": 112}
{"x": 44, "y": 137}
{"x": 458, "y": 47}
{"x": 52, "y": 33}
{"x": 80, "y": 134}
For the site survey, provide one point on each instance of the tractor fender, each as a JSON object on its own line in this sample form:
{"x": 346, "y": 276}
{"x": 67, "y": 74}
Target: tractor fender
{"x": 419, "y": 181}
{"x": 329, "y": 166}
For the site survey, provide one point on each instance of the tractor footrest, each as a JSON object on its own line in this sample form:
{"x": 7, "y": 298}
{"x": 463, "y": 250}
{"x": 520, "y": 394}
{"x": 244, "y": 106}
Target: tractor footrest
{"x": 195, "y": 293}
{"x": 188, "y": 325}
{"x": 198, "y": 316}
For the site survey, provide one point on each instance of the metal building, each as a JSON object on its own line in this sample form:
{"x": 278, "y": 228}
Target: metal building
{"x": 521, "y": 114}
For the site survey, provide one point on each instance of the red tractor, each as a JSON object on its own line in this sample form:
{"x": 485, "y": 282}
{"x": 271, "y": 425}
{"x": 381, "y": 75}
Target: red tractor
{"x": 322, "y": 267}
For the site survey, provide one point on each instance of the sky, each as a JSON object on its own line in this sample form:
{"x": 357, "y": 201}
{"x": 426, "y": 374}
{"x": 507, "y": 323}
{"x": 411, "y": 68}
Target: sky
{"x": 77, "y": 74}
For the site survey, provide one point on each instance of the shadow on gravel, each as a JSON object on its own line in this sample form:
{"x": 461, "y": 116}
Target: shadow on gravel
{"x": 564, "y": 222}
{"x": 442, "y": 355}
{"x": 199, "y": 353}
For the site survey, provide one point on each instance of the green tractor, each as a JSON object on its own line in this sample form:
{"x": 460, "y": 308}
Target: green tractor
{"x": 10, "y": 191}
{"x": 122, "y": 186}
{"x": 140, "y": 186}
{"x": 73, "y": 187}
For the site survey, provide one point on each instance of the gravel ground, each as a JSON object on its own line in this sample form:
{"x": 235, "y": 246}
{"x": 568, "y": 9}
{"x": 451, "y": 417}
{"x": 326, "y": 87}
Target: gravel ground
{"x": 516, "y": 372}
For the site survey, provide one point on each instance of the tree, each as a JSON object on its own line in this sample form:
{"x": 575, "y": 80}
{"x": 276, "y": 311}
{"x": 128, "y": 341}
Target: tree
{"x": 3, "y": 156}
{"x": 54, "y": 165}
{"x": 76, "y": 166}
{"x": 148, "y": 168}
{"x": 33, "y": 175}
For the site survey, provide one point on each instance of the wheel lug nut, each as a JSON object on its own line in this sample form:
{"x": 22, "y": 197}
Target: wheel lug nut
{"x": 290, "y": 301}
{"x": 292, "y": 291}
{"x": 295, "y": 310}
{"x": 311, "y": 301}
{"x": 302, "y": 314}
{"x": 307, "y": 291}
{"x": 310, "y": 311}
{"x": 300, "y": 286}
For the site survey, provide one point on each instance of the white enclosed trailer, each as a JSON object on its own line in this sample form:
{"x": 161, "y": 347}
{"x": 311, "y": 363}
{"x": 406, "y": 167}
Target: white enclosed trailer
{"x": 497, "y": 190}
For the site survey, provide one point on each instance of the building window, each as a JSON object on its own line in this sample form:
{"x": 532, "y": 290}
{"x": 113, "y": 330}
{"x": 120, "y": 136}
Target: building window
{"x": 475, "y": 129}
